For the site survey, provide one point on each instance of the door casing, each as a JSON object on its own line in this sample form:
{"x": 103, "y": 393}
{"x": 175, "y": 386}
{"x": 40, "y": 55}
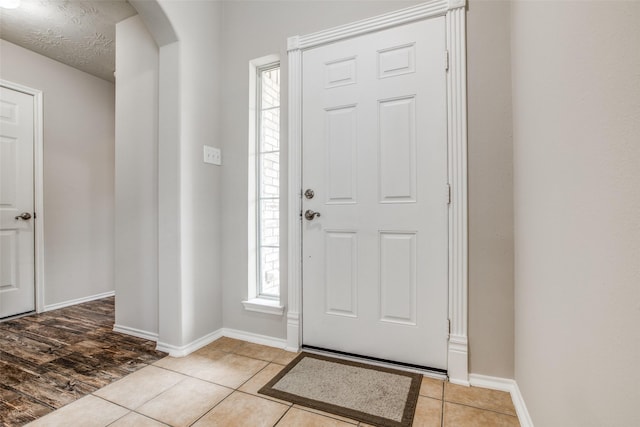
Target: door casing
{"x": 38, "y": 180}
{"x": 454, "y": 12}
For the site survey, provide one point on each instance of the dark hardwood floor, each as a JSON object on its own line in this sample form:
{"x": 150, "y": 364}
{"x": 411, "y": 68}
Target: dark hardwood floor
{"x": 49, "y": 360}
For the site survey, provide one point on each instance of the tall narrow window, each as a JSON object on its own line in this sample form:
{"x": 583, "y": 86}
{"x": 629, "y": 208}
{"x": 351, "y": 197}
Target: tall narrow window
{"x": 268, "y": 180}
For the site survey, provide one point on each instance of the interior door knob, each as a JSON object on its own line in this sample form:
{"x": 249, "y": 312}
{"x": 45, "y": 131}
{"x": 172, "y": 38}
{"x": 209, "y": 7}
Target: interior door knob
{"x": 310, "y": 215}
{"x": 24, "y": 216}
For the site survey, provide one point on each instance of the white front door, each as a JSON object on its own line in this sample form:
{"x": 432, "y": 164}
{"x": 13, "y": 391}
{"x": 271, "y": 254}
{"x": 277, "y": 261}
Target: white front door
{"x": 374, "y": 143}
{"x": 17, "y": 285}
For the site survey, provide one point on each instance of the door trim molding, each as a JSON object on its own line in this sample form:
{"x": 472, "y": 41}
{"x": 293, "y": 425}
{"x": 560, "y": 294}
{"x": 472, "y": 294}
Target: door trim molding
{"x": 458, "y": 358}
{"x": 38, "y": 181}
{"x": 454, "y": 12}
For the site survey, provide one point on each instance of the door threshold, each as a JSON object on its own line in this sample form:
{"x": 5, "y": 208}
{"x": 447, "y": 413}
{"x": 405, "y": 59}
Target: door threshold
{"x": 16, "y": 316}
{"x": 439, "y": 374}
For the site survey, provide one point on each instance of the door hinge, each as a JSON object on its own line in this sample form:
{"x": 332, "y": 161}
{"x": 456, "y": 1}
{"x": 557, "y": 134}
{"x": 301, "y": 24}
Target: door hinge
{"x": 448, "y": 194}
{"x": 34, "y": 215}
{"x": 449, "y": 327}
{"x": 446, "y": 60}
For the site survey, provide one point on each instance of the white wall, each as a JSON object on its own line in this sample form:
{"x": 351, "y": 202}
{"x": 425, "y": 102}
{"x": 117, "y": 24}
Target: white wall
{"x": 136, "y": 178}
{"x": 78, "y": 172}
{"x": 187, "y": 192}
{"x": 576, "y": 112}
{"x": 195, "y": 303}
{"x": 169, "y": 233}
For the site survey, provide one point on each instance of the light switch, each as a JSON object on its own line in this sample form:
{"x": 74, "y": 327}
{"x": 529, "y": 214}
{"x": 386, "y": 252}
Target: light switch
{"x": 212, "y": 155}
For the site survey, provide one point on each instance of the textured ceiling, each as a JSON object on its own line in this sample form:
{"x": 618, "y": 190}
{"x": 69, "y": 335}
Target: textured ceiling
{"x": 79, "y": 33}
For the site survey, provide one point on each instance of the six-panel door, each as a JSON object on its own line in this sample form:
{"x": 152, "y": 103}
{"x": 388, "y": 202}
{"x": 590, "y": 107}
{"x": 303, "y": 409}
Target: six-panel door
{"x": 375, "y": 154}
{"x": 17, "y": 287}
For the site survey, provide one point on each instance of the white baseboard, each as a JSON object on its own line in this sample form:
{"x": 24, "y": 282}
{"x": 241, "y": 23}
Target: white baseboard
{"x": 180, "y": 351}
{"x": 255, "y": 338}
{"x": 151, "y": 336}
{"x": 69, "y": 303}
{"x": 521, "y": 407}
{"x": 505, "y": 384}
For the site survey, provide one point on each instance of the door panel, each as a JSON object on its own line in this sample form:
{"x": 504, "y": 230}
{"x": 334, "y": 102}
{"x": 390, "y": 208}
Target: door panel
{"x": 375, "y": 154}
{"x": 17, "y": 286}
{"x": 341, "y": 144}
{"x": 397, "y": 263}
{"x": 397, "y": 150}
{"x": 341, "y": 254}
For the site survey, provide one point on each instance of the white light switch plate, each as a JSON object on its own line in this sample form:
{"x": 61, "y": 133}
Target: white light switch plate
{"x": 212, "y": 155}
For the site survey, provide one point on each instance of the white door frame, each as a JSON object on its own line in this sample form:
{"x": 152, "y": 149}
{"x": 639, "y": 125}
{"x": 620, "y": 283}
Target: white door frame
{"x": 38, "y": 181}
{"x": 454, "y": 12}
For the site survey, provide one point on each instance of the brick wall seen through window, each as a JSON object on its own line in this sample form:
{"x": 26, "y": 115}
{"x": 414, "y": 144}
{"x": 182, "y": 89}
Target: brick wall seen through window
{"x": 268, "y": 174}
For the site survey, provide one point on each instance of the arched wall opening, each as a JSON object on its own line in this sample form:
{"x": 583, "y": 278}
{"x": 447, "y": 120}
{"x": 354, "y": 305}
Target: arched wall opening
{"x": 187, "y": 300}
{"x": 149, "y": 284}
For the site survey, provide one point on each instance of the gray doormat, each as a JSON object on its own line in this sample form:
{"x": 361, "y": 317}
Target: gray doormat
{"x": 372, "y": 394}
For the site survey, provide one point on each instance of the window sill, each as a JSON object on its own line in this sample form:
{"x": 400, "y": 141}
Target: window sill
{"x": 266, "y": 306}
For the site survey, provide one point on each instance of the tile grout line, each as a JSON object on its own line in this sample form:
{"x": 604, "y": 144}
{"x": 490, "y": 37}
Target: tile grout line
{"x": 191, "y": 376}
{"x": 266, "y": 398}
{"x": 151, "y": 418}
{"x": 329, "y": 415}
{"x": 282, "y": 416}
{"x": 210, "y": 409}
{"x": 149, "y": 400}
{"x": 213, "y": 407}
{"x": 114, "y": 421}
{"x": 444, "y": 398}
{"x": 208, "y": 381}
{"x": 237, "y": 389}
{"x": 481, "y": 409}
{"x": 112, "y": 403}
{"x": 252, "y": 376}
{"x": 188, "y": 376}
{"x": 243, "y": 383}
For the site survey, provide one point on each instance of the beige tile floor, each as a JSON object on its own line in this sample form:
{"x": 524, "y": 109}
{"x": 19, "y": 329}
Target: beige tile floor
{"x": 218, "y": 386}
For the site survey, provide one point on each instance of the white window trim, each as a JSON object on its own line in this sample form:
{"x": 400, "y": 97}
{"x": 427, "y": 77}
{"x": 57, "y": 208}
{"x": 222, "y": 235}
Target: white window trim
{"x": 264, "y": 305}
{"x": 255, "y": 302}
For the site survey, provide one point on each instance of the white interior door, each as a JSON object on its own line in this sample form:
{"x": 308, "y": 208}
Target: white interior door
{"x": 375, "y": 155}
{"x": 17, "y": 285}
